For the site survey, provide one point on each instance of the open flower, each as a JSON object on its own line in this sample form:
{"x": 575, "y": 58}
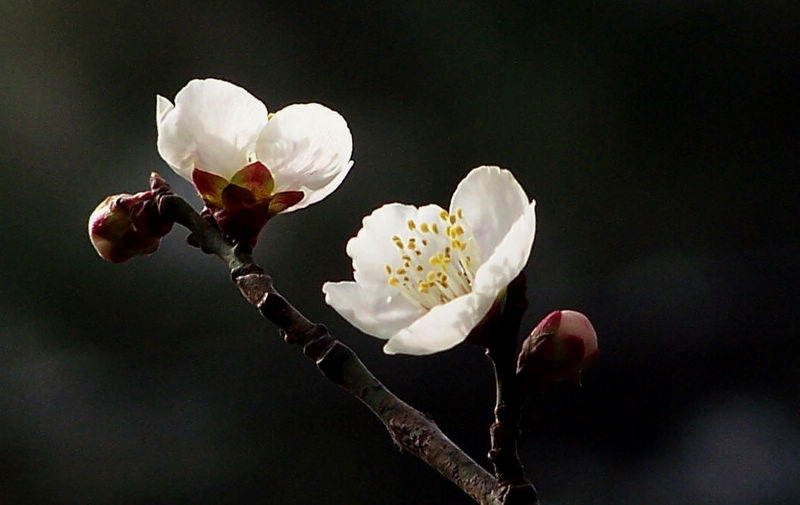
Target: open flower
{"x": 246, "y": 164}
{"x": 425, "y": 277}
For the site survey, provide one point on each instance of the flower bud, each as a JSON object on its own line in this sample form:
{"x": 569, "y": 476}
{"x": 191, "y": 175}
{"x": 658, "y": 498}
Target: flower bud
{"x": 562, "y": 345}
{"x": 124, "y": 226}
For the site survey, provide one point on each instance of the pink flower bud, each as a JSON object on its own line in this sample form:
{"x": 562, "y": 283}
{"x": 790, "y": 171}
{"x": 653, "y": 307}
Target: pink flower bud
{"x": 125, "y": 226}
{"x": 562, "y": 345}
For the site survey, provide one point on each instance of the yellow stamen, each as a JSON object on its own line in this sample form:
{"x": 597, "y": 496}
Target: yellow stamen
{"x": 443, "y": 272}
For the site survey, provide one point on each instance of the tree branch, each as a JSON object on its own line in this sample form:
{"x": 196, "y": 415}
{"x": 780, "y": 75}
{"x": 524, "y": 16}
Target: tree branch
{"x": 410, "y": 430}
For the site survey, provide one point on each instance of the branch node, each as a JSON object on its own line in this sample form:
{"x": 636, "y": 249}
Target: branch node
{"x": 255, "y": 287}
{"x": 316, "y": 342}
{"x": 243, "y": 270}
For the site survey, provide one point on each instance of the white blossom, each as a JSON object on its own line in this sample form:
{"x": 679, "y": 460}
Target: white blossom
{"x": 425, "y": 277}
{"x": 218, "y": 127}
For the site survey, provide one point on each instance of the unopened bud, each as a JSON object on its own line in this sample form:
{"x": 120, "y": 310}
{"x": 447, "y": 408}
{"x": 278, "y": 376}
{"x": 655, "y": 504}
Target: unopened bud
{"x": 562, "y": 345}
{"x": 125, "y": 226}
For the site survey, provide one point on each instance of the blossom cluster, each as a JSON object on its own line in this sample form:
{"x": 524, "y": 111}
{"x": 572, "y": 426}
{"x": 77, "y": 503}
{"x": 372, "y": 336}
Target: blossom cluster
{"x": 423, "y": 277}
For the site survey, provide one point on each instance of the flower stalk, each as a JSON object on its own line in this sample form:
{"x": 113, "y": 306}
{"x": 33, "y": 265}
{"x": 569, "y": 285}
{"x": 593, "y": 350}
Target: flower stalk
{"x": 500, "y": 337}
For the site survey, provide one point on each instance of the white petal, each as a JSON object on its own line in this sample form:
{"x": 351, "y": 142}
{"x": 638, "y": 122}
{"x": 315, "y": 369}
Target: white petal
{"x": 307, "y": 147}
{"x": 376, "y": 312}
{"x": 442, "y": 328}
{"x": 373, "y": 248}
{"x": 214, "y": 125}
{"x": 509, "y": 257}
{"x": 492, "y": 200}
{"x": 163, "y": 107}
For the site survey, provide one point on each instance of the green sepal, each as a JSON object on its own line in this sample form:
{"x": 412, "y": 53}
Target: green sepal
{"x": 209, "y": 186}
{"x": 257, "y": 178}
{"x": 282, "y": 201}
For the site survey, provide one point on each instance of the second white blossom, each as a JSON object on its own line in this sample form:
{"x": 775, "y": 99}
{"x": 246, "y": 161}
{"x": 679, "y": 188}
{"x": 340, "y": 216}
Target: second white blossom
{"x": 218, "y": 127}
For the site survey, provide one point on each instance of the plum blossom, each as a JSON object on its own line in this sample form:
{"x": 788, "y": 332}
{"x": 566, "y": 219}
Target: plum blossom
{"x": 247, "y": 164}
{"x": 425, "y": 277}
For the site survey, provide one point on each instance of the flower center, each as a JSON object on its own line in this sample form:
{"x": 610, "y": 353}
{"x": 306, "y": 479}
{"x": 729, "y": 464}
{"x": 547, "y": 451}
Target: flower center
{"x": 438, "y": 261}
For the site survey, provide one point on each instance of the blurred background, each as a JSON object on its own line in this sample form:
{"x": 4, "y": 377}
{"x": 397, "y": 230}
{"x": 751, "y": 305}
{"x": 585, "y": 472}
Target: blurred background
{"x": 660, "y": 140}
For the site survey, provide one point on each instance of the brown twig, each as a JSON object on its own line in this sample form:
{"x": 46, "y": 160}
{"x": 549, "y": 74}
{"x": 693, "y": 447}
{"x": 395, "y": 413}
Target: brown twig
{"x": 410, "y": 430}
{"x": 501, "y": 346}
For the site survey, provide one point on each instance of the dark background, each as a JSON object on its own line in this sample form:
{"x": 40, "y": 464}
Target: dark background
{"x": 660, "y": 139}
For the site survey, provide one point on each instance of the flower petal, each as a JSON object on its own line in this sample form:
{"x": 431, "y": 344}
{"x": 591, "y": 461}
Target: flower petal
{"x": 214, "y": 126}
{"x": 492, "y": 200}
{"x": 442, "y": 328}
{"x": 509, "y": 257}
{"x": 375, "y": 312}
{"x": 373, "y": 248}
{"x": 307, "y": 148}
